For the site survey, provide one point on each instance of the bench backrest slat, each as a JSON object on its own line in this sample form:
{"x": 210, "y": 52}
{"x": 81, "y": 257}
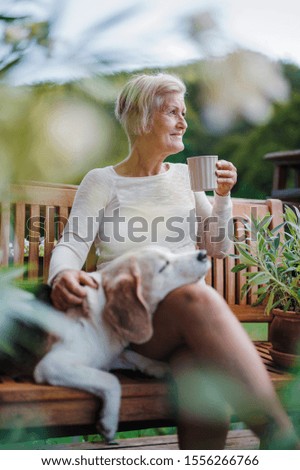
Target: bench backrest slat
{"x": 34, "y": 239}
{"x": 4, "y": 232}
{"x": 230, "y": 284}
{"x": 19, "y": 238}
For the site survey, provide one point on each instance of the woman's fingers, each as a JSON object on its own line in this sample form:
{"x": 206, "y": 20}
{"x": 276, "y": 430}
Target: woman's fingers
{"x": 226, "y": 177}
{"x": 87, "y": 280}
{"x": 72, "y": 285}
{"x": 225, "y": 165}
{"x": 68, "y": 288}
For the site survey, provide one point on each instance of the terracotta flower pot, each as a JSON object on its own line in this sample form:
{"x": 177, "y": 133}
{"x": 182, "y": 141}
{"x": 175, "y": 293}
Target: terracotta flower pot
{"x": 285, "y": 338}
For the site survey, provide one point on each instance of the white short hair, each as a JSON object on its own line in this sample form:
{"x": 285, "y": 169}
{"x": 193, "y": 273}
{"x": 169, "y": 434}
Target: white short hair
{"x": 140, "y": 96}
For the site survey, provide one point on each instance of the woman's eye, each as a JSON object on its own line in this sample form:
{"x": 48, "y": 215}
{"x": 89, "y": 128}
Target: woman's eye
{"x": 174, "y": 113}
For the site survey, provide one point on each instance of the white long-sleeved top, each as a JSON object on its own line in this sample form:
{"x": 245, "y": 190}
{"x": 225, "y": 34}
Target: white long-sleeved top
{"x": 119, "y": 213}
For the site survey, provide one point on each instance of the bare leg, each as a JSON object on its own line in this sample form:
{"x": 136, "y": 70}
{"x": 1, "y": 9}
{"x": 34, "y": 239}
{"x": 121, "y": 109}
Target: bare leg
{"x": 197, "y": 317}
{"x": 196, "y": 430}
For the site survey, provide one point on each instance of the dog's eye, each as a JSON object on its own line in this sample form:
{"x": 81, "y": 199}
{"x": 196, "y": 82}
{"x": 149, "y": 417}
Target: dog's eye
{"x": 164, "y": 266}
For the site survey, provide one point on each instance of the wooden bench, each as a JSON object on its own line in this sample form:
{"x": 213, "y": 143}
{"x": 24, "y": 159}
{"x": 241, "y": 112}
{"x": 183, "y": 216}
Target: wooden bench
{"x": 35, "y": 211}
{"x": 286, "y": 170}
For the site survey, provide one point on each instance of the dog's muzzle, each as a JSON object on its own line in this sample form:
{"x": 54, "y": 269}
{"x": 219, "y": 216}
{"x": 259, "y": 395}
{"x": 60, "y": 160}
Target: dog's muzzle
{"x": 202, "y": 255}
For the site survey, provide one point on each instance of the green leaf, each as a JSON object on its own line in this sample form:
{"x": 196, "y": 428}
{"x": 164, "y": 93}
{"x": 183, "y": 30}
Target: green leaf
{"x": 244, "y": 290}
{"x": 249, "y": 275}
{"x": 260, "y": 299}
{"x": 276, "y": 242}
{"x": 287, "y": 305}
{"x": 246, "y": 257}
{"x": 270, "y": 302}
{"x": 260, "y": 278}
{"x": 278, "y": 303}
{"x": 289, "y": 215}
{"x": 264, "y": 223}
{"x": 261, "y": 242}
{"x": 238, "y": 267}
{"x": 242, "y": 245}
{"x": 233, "y": 256}
{"x": 262, "y": 290}
{"x": 277, "y": 228}
{"x": 288, "y": 255}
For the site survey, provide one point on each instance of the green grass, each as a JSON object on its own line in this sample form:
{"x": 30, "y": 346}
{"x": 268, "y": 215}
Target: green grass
{"x": 257, "y": 331}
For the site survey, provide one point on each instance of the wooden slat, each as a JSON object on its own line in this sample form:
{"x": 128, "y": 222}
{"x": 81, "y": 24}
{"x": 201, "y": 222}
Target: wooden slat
{"x": 19, "y": 228}
{"x": 27, "y": 391}
{"x": 48, "y": 414}
{"x": 241, "y": 234}
{"x": 49, "y": 237}
{"x": 252, "y": 296}
{"x": 241, "y": 439}
{"x": 218, "y": 276}
{"x": 4, "y": 233}
{"x": 230, "y": 281}
{"x": 34, "y": 238}
{"x": 208, "y": 278}
{"x": 63, "y": 214}
{"x": 276, "y": 209}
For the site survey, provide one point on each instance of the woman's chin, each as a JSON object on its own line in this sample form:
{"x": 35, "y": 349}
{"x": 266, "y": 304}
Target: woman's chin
{"x": 179, "y": 148}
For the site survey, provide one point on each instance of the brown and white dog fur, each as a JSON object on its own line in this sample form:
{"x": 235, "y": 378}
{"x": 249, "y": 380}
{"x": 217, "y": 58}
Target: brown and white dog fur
{"x": 116, "y": 314}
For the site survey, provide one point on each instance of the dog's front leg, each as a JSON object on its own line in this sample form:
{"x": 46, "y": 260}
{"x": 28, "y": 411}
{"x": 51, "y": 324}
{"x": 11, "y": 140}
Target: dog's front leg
{"x": 132, "y": 360}
{"x": 65, "y": 370}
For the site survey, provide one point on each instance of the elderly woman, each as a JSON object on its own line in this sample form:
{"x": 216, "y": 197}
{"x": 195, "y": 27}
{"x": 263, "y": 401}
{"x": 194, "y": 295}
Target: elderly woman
{"x": 194, "y": 328}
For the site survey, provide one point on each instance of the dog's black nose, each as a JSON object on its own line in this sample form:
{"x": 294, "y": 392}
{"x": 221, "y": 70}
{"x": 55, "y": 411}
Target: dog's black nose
{"x": 202, "y": 255}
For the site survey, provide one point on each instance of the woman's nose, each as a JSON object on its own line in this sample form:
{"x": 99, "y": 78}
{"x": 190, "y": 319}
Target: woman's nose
{"x": 181, "y": 123}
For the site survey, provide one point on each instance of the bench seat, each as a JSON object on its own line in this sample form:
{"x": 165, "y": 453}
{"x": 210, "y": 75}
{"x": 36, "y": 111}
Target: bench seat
{"x": 52, "y": 411}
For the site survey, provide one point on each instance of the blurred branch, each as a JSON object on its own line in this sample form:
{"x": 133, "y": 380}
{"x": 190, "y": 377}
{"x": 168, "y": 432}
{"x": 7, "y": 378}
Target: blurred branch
{"x": 108, "y": 45}
{"x": 10, "y": 19}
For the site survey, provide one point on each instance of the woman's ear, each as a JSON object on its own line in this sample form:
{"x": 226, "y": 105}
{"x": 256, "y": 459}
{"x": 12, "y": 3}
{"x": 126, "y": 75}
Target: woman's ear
{"x": 125, "y": 309}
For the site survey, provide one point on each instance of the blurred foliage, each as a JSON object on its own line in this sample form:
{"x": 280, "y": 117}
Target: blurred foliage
{"x": 246, "y": 145}
{"x": 51, "y": 133}
{"x": 59, "y": 132}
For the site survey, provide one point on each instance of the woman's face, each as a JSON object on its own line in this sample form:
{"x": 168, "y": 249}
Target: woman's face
{"x": 169, "y": 125}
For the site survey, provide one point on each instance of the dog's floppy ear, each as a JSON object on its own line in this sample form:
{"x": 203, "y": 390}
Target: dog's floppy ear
{"x": 125, "y": 309}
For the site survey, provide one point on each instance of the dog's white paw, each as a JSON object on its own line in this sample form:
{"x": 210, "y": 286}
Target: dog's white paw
{"x": 157, "y": 369}
{"x": 108, "y": 419}
{"x": 107, "y": 426}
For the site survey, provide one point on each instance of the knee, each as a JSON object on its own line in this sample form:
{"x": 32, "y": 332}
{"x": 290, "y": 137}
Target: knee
{"x": 193, "y": 294}
{"x": 197, "y": 301}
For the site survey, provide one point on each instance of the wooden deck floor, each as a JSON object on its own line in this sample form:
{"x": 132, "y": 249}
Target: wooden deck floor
{"x": 237, "y": 439}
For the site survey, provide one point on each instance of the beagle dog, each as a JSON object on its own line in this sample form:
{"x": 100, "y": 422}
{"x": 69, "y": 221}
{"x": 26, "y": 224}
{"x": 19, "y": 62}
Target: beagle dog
{"x": 116, "y": 314}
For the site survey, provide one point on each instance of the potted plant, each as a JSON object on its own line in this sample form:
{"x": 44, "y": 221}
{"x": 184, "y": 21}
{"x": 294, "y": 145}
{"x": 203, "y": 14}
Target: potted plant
{"x": 273, "y": 256}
